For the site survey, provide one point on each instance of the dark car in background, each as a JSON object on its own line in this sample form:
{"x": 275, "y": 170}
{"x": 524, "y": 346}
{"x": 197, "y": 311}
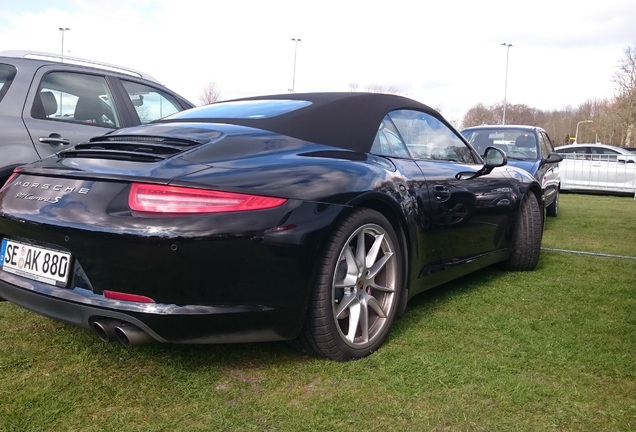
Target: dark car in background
{"x": 49, "y": 102}
{"x": 312, "y": 218}
{"x": 526, "y": 147}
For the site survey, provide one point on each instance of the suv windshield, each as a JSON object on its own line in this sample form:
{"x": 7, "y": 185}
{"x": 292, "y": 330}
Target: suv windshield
{"x": 516, "y": 143}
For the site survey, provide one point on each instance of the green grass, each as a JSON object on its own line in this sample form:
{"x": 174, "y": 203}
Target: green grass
{"x": 549, "y": 350}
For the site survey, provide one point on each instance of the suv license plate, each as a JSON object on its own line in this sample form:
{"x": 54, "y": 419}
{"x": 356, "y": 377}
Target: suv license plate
{"x": 33, "y": 262}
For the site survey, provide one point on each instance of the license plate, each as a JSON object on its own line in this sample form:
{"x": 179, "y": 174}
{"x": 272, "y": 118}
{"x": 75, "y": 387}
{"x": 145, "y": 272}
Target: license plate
{"x": 42, "y": 264}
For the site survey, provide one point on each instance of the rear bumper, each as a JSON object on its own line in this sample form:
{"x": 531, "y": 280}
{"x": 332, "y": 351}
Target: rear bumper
{"x": 163, "y": 322}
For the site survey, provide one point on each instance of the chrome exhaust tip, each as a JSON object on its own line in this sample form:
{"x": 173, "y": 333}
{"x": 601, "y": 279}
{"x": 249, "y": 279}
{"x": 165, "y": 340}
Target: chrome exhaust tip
{"x": 131, "y": 335}
{"x": 105, "y": 329}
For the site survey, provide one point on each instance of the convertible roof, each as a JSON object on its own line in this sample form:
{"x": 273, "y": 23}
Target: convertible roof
{"x": 347, "y": 120}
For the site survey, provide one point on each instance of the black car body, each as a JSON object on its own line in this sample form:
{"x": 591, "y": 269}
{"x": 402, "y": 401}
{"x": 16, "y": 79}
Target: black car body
{"x": 305, "y": 217}
{"x": 48, "y": 102}
{"x": 526, "y": 147}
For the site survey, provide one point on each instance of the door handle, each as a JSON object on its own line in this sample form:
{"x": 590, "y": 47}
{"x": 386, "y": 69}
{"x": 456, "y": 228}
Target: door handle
{"x": 54, "y": 140}
{"x": 441, "y": 193}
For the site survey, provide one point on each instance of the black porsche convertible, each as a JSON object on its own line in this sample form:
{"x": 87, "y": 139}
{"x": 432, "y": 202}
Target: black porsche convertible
{"x": 311, "y": 218}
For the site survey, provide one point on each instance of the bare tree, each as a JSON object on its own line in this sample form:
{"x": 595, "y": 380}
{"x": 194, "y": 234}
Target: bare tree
{"x": 626, "y": 75}
{"x": 625, "y": 78}
{"x": 377, "y": 88}
{"x": 480, "y": 115}
{"x": 211, "y": 93}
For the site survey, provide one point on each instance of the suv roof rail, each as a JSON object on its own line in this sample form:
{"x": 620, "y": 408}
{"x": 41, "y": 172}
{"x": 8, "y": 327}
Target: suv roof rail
{"x": 35, "y": 55}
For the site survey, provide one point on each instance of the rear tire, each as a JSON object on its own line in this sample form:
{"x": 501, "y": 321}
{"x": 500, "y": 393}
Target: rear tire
{"x": 526, "y": 240}
{"x": 356, "y": 294}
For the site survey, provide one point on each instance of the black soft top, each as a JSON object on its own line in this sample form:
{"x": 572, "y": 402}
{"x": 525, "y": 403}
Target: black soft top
{"x": 347, "y": 120}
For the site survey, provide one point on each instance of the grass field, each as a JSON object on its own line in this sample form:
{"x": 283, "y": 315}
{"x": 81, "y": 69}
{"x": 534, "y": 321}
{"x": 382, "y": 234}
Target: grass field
{"x": 549, "y": 350}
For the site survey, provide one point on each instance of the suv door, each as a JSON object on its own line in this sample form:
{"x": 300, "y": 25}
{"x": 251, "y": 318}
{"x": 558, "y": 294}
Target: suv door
{"x": 66, "y": 108}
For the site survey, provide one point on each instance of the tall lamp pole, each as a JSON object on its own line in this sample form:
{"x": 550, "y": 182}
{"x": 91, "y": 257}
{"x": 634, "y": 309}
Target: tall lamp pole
{"x": 576, "y": 134}
{"x": 63, "y": 30}
{"x": 293, "y": 87}
{"x": 503, "y": 119}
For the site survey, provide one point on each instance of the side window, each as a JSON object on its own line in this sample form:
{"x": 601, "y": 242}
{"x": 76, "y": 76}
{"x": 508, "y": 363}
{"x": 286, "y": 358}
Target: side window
{"x": 149, "y": 102}
{"x": 546, "y": 144}
{"x": 388, "y": 142}
{"x": 428, "y": 138}
{"x": 609, "y": 155}
{"x": 573, "y": 153}
{"x": 77, "y": 98}
{"x": 7, "y": 72}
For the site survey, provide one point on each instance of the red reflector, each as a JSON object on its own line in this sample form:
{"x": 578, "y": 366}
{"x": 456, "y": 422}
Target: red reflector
{"x": 174, "y": 199}
{"x": 11, "y": 177}
{"x": 116, "y": 295}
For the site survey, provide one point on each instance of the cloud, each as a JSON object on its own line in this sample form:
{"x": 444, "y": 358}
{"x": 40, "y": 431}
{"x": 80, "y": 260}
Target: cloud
{"x": 445, "y": 54}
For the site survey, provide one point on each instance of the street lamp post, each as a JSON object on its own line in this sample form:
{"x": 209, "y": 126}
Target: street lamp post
{"x": 63, "y": 30}
{"x": 293, "y": 87}
{"x": 503, "y": 119}
{"x": 576, "y": 134}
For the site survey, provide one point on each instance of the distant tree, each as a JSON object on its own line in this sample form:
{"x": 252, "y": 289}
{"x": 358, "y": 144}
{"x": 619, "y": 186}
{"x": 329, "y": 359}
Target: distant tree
{"x": 625, "y": 78}
{"x": 479, "y": 115}
{"x": 353, "y": 87}
{"x": 626, "y": 75}
{"x": 377, "y": 88}
{"x": 520, "y": 114}
{"x": 211, "y": 93}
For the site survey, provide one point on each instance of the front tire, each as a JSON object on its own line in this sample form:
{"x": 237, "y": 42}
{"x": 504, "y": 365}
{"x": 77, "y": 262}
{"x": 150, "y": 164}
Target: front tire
{"x": 356, "y": 293}
{"x": 553, "y": 209}
{"x": 526, "y": 240}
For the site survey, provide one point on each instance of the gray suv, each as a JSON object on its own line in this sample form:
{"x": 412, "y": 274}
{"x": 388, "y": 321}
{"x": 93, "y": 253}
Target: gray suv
{"x": 49, "y": 102}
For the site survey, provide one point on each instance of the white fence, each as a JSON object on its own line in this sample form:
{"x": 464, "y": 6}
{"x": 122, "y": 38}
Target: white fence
{"x": 597, "y": 173}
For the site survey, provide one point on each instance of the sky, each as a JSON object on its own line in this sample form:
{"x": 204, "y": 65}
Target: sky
{"x": 448, "y": 55}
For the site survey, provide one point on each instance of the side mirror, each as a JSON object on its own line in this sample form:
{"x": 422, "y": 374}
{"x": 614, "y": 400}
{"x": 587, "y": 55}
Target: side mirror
{"x": 553, "y": 158}
{"x": 138, "y": 101}
{"x": 493, "y": 158}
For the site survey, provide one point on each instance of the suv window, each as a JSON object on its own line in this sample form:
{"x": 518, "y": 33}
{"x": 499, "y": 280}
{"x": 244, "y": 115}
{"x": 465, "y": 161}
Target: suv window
{"x": 149, "y": 102}
{"x": 546, "y": 144}
{"x": 75, "y": 97}
{"x": 7, "y": 72}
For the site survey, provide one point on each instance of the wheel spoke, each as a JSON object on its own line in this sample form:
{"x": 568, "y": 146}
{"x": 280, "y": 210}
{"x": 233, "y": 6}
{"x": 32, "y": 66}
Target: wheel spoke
{"x": 345, "y": 304}
{"x": 360, "y": 249}
{"x": 379, "y": 265}
{"x": 354, "y": 321}
{"x": 351, "y": 277}
{"x": 373, "y": 252}
{"x": 383, "y": 288}
{"x": 364, "y": 320}
{"x": 375, "y": 305}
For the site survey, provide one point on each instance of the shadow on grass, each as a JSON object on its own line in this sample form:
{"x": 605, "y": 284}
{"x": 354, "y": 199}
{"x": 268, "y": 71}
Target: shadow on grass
{"x": 434, "y": 299}
{"x": 265, "y": 353}
{"x": 66, "y": 341}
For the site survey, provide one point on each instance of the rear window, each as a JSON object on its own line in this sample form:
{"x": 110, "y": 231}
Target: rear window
{"x": 7, "y": 72}
{"x": 255, "y": 109}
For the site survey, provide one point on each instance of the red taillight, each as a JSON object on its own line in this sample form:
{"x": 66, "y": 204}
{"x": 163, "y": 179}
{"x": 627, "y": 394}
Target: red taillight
{"x": 116, "y": 295}
{"x": 11, "y": 177}
{"x": 174, "y": 199}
